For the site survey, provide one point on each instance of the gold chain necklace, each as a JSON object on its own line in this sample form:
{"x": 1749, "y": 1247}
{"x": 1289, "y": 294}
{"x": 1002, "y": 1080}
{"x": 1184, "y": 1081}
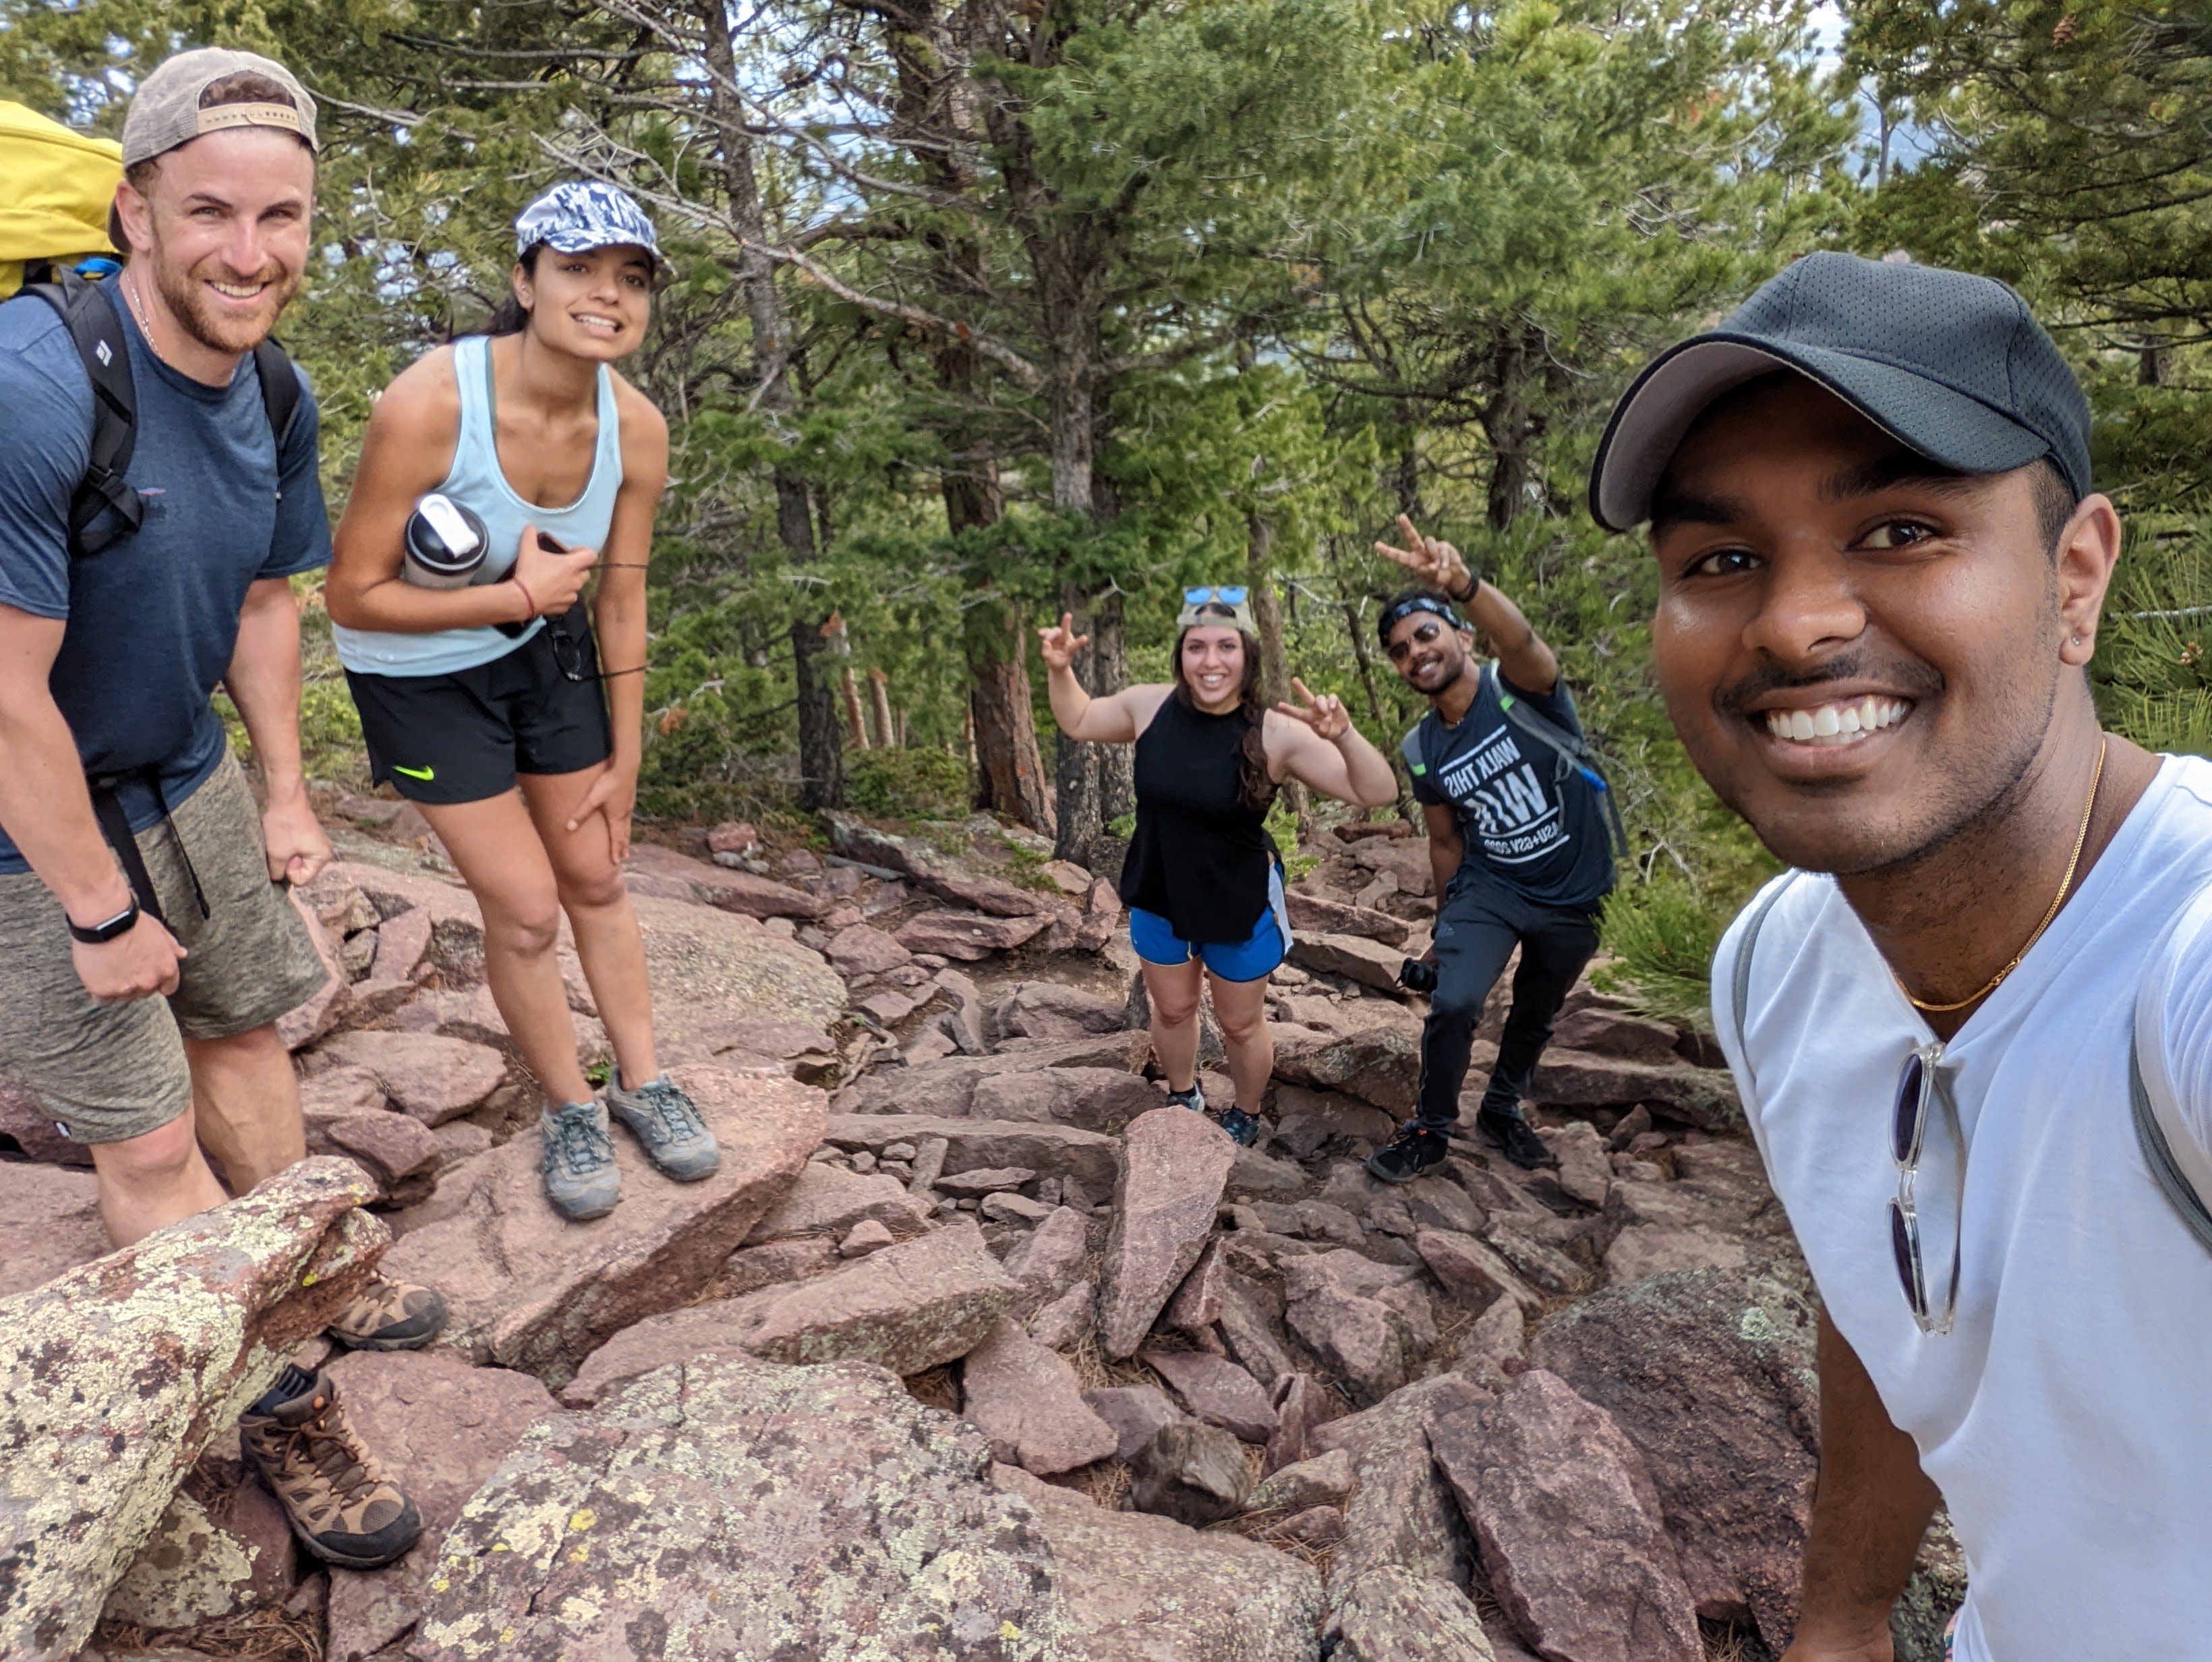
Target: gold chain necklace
{"x": 2080, "y": 841}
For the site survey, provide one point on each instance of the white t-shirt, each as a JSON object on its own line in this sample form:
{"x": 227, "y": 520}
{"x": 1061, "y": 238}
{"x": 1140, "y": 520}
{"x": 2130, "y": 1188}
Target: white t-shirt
{"x": 2067, "y": 1418}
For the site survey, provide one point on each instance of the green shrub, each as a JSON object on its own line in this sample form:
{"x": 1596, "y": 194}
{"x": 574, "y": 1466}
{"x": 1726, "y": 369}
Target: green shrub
{"x": 905, "y": 784}
{"x": 1662, "y": 936}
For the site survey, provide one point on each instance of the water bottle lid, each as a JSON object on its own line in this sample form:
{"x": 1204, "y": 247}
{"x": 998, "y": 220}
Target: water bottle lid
{"x": 444, "y": 536}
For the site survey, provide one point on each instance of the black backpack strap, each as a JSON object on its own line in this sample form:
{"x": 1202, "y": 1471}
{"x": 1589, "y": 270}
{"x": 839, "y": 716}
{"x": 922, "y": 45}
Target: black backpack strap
{"x": 280, "y": 391}
{"x": 105, "y": 508}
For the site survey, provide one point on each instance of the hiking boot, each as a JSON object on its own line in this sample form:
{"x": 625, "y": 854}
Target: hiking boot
{"x": 581, "y": 1178}
{"x": 1416, "y": 1150}
{"x": 1516, "y": 1139}
{"x": 1243, "y": 1128}
{"x": 667, "y": 1126}
{"x": 1194, "y": 1099}
{"x": 338, "y": 1500}
{"x": 390, "y": 1315}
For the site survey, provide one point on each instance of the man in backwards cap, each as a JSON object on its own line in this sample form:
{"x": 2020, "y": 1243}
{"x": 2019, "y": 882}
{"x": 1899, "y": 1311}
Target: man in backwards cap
{"x": 133, "y": 860}
{"x": 1881, "y": 573}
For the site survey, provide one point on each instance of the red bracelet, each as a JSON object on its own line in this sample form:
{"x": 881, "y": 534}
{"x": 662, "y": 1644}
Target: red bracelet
{"x": 527, "y": 601}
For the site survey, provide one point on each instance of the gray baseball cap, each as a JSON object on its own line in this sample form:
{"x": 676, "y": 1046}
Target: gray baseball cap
{"x": 167, "y": 109}
{"x": 1951, "y": 364}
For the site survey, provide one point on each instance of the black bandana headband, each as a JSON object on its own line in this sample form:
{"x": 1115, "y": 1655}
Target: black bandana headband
{"x": 1406, "y": 608}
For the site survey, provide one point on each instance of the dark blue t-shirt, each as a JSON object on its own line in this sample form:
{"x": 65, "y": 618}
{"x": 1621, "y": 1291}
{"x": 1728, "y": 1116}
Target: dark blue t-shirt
{"x": 152, "y": 619}
{"x": 1525, "y": 828}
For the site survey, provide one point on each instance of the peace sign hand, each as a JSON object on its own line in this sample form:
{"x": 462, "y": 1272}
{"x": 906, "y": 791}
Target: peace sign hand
{"x": 1325, "y": 715}
{"x": 1058, "y": 646}
{"x": 1433, "y": 562}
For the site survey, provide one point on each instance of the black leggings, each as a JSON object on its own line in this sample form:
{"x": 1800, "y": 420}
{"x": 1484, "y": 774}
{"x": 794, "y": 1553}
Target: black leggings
{"x": 1477, "y": 929}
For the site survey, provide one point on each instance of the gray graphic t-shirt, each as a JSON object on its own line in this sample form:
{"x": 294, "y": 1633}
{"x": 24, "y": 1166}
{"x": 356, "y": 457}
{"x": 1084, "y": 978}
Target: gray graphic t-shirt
{"x": 1532, "y": 825}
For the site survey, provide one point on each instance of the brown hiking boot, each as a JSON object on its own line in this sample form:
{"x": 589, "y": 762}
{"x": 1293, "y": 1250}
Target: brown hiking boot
{"x": 390, "y": 1315}
{"x": 338, "y": 1500}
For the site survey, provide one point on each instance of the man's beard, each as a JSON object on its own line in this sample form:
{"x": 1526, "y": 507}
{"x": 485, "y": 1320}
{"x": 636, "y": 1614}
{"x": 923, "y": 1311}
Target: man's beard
{"x": 187, "y": 298}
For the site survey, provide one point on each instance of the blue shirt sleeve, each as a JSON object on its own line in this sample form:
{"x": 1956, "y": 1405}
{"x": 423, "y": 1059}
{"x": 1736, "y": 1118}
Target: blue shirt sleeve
{"x": 301, "y": 541}
{"x": 43, "y": 389}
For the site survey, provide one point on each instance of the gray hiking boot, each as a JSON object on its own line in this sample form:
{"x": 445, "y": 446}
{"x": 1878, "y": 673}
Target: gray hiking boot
{"x": 667, "y": 1126}
{"x": 581, "y": 1178}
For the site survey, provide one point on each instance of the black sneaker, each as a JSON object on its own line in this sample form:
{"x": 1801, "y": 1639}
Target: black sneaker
{"x": 1243, "y": 1128}
{"x": 1418, "y": 1149}
{"x": 1514, "y": 1138}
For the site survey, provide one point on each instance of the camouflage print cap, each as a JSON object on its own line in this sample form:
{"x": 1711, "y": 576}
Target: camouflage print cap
{"x": 580, "y": 214}
{"x": 169, "y": 107}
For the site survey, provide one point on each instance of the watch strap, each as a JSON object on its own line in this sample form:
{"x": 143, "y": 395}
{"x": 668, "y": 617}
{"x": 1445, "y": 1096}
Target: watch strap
{"x": 99, "y": 934}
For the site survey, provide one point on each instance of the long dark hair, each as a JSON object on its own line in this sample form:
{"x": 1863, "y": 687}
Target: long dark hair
{"x": 1255, "y": 788}
{"x": 510, "y": 316}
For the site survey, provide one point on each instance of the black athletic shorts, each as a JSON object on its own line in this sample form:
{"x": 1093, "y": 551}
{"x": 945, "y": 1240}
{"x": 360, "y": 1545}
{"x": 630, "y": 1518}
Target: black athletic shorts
{"x": 462, "y": 737}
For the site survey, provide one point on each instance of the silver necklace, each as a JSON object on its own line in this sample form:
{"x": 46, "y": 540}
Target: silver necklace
{"x": 138, "y": 310}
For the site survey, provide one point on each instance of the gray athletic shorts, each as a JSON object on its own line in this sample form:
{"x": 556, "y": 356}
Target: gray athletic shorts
{"x": 107, "y": 1072}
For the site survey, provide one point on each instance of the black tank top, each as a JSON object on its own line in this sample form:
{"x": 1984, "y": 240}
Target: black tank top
{"x": 1199, "y": 857}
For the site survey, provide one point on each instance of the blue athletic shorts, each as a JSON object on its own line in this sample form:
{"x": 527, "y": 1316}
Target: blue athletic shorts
{"x": 1251, "y": 959}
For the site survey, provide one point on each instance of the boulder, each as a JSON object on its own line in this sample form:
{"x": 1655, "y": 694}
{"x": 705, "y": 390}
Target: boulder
{"x": 1401, "y": 1513}
{"x": 1356, "y": 958}
{"x": 1647, "y": 1250}
{"x": 1196, "y": 1474}
{"x": 1058, "y": 1151}
{"x": 1216, "y": 1391}
{"x": 1048, "y": 1261}
{"x": 1025, "y": 1401}
{"x": 966, "y": 935}
{"x": 1615, "y": 1033}
{"x": 1246, "y": 1327}
{"x": 1196, "y": 1306}
{"x": 1134, "y": 1412}
{"x": 1095, "y": 1099}
{"x": 1173, "y": 1166}
{"x": 49, "y": 1224}
{"x": 799, "y": 1259}
{"x": 1388, "y": 1614}
{"x": 986, "y": 1180}
{"x": 1471, "y": 1272}
{"x": 117, "y": 1375}
{"x": 947, "y": 1087}
{"x": 711, "y": 969}
{"x": 1702, "y": 1097}
{"x": 1570, "y": 1526}
{"x": 1306, "y": 1119}
{"x": 861, "y": 949}
{"x": 735, "y": 1509}
{"x": 1137, "y": 1588}
{"x": 433, "y": 1077}
{"x": 1301, "y": 1405}
{"x": 1336, "y": 1303}
{"x": 1049, "y": 1009}
{"x": 829, "y": 1199}
{"x": 1546, "y": 1267}
{"x": 223, "y": 1548}
{"x": 528, "y": 1289}
{"x": 740, "y": 892}
{"x": 1310, "y": 914}
{"x": 1711, "y": 1373}
{"x": 1063, "y": 1323}
{"x": 1585, "y": 1166}
{"x": 1327, "y": 1480}
{"x": 389, "y": 1146}
{"x": 443, "y": 1428}
{"x": 908, "y": 1307}
{"x": 1381, "y": 1066}
{"x": 1499, "y": 1336}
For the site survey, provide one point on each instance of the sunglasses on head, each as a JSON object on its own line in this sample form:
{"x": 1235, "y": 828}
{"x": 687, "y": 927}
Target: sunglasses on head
{"x": 1226, "y": 596}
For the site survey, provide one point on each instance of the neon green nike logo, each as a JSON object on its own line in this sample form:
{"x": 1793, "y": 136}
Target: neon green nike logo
{"x": 415, "y": 773}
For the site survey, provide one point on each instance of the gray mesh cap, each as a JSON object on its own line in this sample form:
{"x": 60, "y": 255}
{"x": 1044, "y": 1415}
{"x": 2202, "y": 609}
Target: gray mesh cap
{"x": 1951, "y": 365}
{"x": 167, "y": 111}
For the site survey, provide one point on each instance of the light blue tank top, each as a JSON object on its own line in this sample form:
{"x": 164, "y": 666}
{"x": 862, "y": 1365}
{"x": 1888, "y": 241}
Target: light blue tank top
{"x": 476, "y": 480}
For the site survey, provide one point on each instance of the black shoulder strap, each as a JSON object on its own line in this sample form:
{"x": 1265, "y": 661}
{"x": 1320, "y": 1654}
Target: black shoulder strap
{"x": 105, "y": 508}
{"x": 280, "y": 391}
{"x": 1575, "y": 756}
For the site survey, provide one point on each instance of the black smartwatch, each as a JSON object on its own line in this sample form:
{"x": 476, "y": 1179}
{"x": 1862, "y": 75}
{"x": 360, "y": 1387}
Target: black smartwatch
{"x": 101, "y": 933}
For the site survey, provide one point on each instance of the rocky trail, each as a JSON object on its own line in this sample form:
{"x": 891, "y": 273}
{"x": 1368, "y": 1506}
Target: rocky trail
{"x": 974, "y": 1349}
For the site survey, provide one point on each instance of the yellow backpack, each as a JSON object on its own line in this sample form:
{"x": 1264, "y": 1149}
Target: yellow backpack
{"x": 56, "y": 186}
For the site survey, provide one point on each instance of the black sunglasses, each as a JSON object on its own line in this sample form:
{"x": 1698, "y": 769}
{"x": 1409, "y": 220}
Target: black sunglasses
{"x": 1919, "y": 1086}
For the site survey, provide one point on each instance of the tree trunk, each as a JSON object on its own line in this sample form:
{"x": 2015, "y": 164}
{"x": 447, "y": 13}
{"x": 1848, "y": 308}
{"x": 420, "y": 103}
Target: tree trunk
{"x": 879, "y": 705}
{"x": 1512, "y": 427}
{"x": 1274, "y": 650}
{"x": 1006, "y": 730}
{"x": 1363, "y": 652}
{"x": 854, "y": 719}
{"x": 821, "y": 767}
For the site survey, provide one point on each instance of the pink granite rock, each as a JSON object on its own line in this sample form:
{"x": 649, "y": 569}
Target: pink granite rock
{"x": 49, "y": 1224}
{"x": 829, "y": 1199}
{"x": 528, "y": 1289}
{"x": 1570, "y": 1526}
{"x": 433, "y": 1077}
{"x": 1216, "y": 1390}
{"x": 1025, "y": 1400}
{"x": 1196, "y": 1305}
{"x": 966, "y": 935}
{"x": 1173, "y": 1166}
{"x": 1471, "y": 1272}
{"x": 402, "y": 945}
{"x": 863, "y": 950}
{"x": 443, "y": 1427}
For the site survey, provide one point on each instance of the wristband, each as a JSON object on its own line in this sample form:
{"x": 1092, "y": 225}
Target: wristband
{"x": 528, "y": 600}
{"x": 1474, "y": 584}
{"x": 101, "y": 933}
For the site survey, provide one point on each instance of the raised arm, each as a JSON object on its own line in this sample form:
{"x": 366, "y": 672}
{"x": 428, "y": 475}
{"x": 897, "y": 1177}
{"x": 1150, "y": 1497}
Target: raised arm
{"x": 1314, "y": 741}
{"x": 1108, "y": 721}
{"x": 1522, "y": 656}
{"x": 1870, "y": 1508}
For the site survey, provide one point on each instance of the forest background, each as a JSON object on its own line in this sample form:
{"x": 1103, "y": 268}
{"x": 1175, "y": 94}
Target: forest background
{"x": 985, "y": 309}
